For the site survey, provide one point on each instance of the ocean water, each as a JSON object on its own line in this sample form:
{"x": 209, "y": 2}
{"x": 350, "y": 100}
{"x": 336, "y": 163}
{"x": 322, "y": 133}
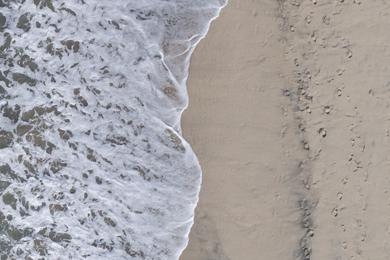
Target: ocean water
{"x": 92, "y": 161}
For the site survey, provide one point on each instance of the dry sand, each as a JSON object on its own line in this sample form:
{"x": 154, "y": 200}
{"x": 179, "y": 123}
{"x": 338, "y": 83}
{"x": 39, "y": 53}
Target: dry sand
{"x": 289, "y": 116}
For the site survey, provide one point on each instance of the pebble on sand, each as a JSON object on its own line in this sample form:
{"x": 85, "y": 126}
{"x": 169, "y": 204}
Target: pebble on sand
{"x": 349, "y": 54}
{"x": 322, "y": 132}
{"x": 327, "y": 110}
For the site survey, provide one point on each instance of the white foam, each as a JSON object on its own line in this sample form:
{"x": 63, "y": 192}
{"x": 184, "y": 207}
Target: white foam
{"x": 104, "y": 172}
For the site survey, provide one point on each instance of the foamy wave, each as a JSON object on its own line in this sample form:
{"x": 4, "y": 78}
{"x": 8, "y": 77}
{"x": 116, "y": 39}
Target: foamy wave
{"x": 92, "y": 162}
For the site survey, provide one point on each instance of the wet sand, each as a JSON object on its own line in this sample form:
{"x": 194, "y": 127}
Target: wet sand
{"x": 236, "y": 121}
{"x": 289, "y": 116}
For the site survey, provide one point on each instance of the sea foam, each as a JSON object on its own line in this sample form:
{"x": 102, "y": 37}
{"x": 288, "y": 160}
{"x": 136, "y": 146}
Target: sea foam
{"x": 92, "y": 161}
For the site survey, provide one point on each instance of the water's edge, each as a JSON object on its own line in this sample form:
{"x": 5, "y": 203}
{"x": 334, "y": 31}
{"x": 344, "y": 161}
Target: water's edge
{"x": 191, "y": 52}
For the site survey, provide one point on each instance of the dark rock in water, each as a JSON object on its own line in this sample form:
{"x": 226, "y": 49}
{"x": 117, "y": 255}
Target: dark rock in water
{"x": 28, "y": 115}
{"x": 6, "y": 139}
{"x": 7, "y": 171}
{"x": 118, "y": 140}
{"x": 52, "y": 50}
{"x": 3, "y": 186}
{"x": 65, "y": 135}
{"x": 22, "y": 129}
{"x": 100, "y": 243}
{"x": 36, "y": 138}
{"x": 2, "y": 77}
{"x": 170, "y": 91}
{"x": 15, "y": 234}
{"x": 7, "y": 42}
{"x": 2, "y": 91}
{"x": 40, "y": 110}
{"x": 57, "y": 207}
{"x": 27, "y": 61}
{"x": 71, "y": 45}
{"x": 40, "y": 247}
{"x": 68, "y": 10}
{"x": 109, "y": 221}
{"x": 134, "y": 253}
{"x": 99, "y": 180}
{"x": 12, "y": 113}
{"x": 5, "y": 248}
{"x": 21, "y": 78}
{"x": 50, "y": 147}
{"x": 90, "y": 155}
{"x": 143, "y": 172}
{"x": 45, "y": 3}
{"x": 83, "y": 101}
{"x": 29, "y": 166}
{"x": 24, "y": 22}
{"x": 57, "y": 166}
{"x": 33, "y": 114}
{"x": 3, "y": 22}
{"x": 55, "y": 236}
{"x": 9, "y": 199}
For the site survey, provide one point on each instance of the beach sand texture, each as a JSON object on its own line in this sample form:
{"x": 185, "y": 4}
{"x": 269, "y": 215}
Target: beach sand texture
{"x": 289, "y": 116}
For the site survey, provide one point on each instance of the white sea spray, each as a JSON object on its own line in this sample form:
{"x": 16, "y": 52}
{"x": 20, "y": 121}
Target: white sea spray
{"x": 92, "y": 162}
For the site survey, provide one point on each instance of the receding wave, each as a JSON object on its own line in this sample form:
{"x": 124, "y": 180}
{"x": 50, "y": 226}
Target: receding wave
{"x": 92, "y": 161}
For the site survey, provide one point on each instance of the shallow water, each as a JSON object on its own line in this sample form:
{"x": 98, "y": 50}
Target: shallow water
{"x": 92, "y": 162}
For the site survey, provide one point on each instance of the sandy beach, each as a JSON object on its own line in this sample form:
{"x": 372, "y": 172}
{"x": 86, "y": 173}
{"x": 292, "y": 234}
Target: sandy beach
{"x": 289, "y": 116}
